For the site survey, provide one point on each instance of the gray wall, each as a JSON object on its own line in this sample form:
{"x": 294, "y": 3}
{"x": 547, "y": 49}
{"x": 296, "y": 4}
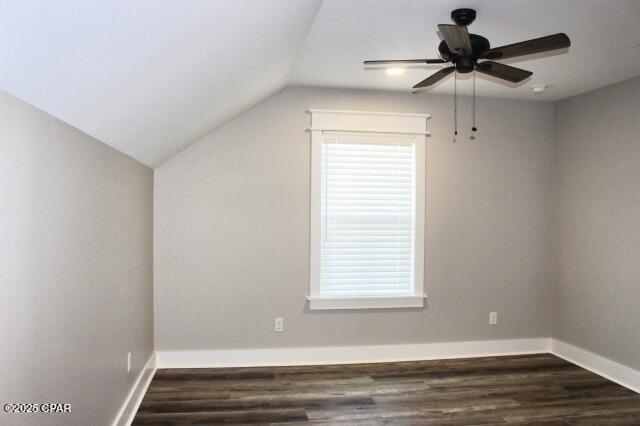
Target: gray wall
{"x": 75, "y": 269}
{"x": 597, "y": 222}
{"x": 231, "y": 237}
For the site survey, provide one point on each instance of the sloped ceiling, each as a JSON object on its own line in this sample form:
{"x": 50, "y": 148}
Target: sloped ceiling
{"x": 150, "y": 77}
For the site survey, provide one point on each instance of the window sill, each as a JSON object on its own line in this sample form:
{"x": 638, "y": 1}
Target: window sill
{"x": 319, "y": 303}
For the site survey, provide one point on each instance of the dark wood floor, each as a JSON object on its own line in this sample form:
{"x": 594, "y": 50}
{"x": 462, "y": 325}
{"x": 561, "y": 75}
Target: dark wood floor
{"x": 530, "y": 389}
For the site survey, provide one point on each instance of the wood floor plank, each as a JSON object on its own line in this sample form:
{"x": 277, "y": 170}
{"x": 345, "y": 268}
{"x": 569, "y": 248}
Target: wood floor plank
{"x": 220, "y": 417}
{"x": 539, "y": 389}
{"x": 245, "y": 404}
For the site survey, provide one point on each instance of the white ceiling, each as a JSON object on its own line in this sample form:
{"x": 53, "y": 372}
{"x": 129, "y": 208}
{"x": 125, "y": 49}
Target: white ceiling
{"x": 149, "y": 77}
{"x": 344, "y": 33}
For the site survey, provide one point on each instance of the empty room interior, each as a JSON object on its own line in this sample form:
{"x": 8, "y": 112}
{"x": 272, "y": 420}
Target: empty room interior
{"x": 330, "y": 212}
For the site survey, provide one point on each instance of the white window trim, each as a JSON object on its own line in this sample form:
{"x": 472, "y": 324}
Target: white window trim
{"x": 370, "y": 122}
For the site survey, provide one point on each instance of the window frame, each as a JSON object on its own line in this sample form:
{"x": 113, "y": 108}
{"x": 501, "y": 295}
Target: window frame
{"x": 367, "y": 122}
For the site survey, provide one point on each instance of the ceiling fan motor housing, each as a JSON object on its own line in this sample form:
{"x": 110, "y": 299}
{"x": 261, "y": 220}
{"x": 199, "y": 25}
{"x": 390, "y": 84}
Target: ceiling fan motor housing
{"x": 465, "y": 64}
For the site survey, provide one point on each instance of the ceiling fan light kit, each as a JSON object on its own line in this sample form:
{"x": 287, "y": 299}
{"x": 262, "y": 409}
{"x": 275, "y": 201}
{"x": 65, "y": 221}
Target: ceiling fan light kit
{"x": 464, "y": 51}
{"x": 395, "y": 71}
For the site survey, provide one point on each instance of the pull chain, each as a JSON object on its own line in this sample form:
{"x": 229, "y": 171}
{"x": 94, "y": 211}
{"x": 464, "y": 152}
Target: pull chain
{"x": 455, "y": 104}
{"x": 474, "y": 128}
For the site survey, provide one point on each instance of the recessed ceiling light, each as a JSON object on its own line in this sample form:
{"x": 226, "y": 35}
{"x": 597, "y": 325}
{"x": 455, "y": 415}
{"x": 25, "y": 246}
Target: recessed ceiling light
{"x": 538, "y": 88}
{"x": 395, "y": 71}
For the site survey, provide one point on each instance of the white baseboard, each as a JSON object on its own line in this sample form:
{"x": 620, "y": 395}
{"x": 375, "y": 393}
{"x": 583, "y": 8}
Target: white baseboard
{"x": 616, "y": 372}
{"x": 130, "y": 406}
{"x": 347, "y": 354}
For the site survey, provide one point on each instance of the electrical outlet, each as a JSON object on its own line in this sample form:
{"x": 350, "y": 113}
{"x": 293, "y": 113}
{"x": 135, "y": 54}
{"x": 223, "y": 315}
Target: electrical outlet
{"x": 129, "y": 362}
{"x": 278, "y": 324}
{"x": 493, "y": 318}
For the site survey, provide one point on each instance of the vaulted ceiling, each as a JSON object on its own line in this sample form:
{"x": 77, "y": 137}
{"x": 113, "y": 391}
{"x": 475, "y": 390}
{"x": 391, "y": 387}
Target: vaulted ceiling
{"x": 150, "y": 77}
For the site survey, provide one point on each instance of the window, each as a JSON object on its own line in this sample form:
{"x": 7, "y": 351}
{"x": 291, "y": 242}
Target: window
{"x": 367, "y": 219}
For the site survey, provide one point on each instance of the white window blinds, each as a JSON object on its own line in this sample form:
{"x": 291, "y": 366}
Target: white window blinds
{"x": 368, "y": 215}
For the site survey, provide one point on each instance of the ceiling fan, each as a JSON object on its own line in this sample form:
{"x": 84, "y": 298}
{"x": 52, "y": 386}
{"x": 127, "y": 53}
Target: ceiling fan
{"x": 465, "y": 50}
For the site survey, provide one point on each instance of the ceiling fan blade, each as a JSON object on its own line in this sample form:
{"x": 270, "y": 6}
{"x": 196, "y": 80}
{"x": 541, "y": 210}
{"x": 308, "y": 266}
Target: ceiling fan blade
{"x": 405, "y": 61}
{"x": 529, "y": 47}
{"x": 457, "y": 38}
{"x": 434, "y": 78}
{"x": 505, "y": 72}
